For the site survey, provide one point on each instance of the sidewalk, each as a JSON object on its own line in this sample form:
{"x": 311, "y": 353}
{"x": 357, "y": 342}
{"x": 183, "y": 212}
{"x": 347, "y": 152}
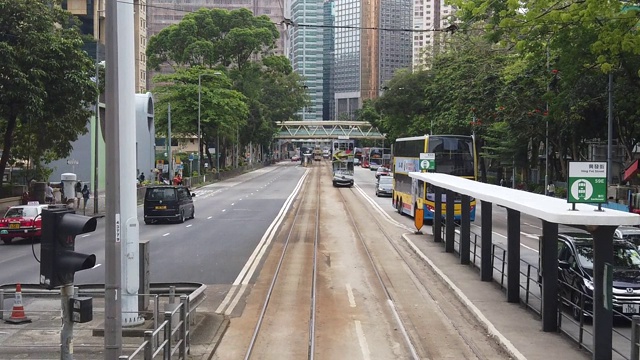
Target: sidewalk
{"x": 513, "y": 326}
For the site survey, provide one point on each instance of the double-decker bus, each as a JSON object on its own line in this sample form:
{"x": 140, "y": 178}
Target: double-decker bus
{"x": 358, "y": 155}
{"x": 454, "y": 155}
{"x": 317, "y": 153}
{"x": 379, "y": 157}
{"x": 343, "y": 151}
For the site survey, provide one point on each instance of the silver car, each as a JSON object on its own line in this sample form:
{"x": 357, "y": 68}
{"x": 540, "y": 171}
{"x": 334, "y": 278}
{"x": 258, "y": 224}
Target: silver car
{"x": 384, "y": 186}
{"x": 629, "y": 233}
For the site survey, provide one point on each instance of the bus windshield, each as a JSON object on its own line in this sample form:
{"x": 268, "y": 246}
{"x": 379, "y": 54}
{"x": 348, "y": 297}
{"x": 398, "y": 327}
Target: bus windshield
{"x": 454, "y": 155}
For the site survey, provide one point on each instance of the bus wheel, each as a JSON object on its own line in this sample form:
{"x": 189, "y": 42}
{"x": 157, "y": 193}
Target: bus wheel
{"x": 400, "y": 207}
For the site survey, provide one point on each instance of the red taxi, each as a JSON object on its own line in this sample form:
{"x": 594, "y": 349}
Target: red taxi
{"x": 22, "y": 221}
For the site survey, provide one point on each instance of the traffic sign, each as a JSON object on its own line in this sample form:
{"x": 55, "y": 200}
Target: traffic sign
{"x": 72, "y": 162}
{"x": 587, "y": 182}
{"x": 191, "y": 157}
{"x": 427, "y": 161}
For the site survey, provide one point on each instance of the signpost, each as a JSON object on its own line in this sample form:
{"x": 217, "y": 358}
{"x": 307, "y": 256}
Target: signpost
{"x": 587, "y": 182}
{"x": 73, "y": 163}
{"x": 427, "y": 162}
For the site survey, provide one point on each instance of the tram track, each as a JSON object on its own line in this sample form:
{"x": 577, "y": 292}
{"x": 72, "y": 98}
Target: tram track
{"x": 294, "y": 283}
{"x": 410, "y": 335}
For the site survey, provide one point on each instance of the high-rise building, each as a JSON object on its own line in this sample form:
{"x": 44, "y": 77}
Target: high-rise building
{"x": 428, "y": 15}
{"x": 371, "y": 42}
{"x": 306, "y": 52}
{"x": 91, "y": 14}
{"x": 328, "y": 101}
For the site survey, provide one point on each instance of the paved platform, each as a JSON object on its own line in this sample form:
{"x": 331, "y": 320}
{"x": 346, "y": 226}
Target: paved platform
{"x": 517, "y": 329}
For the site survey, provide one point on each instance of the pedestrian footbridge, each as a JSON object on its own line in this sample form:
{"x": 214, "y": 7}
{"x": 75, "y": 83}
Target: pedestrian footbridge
{"x": 302, "y": 130}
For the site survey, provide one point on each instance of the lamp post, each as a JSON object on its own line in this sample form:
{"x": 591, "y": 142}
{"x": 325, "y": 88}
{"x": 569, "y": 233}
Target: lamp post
{"x": 217, "y": 73}
{"x": 546, "y": 137}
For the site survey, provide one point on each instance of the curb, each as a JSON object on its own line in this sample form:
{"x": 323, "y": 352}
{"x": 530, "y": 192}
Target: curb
{"x": 486, "y": 323}
{"x": 217, "y": 337}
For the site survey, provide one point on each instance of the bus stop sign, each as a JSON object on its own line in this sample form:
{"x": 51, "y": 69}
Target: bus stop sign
{"x": 427, "y": 161}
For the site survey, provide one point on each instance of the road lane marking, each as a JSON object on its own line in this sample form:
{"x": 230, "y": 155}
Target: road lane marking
{"x": 362, "y": 340}
{"x": 531, "y": 236}
{"x": 227, "y": 299}
{"x": 352, "y": 300}
{"x": 250, "y": 266}
{"x": 211, "y": 216}
{"x": 533, "y": 226}
{"x": 235, "y": 301}
{"x": 85, "y": 235}
{"x": 167, "y": 234}
{"x": 190, "y": 225}
{"x": 233, "y": 204}
{"x": 223, "y": 210}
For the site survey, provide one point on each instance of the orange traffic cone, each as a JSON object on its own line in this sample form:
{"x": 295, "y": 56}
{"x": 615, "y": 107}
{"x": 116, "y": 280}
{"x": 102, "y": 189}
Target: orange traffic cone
{"x": 17, "y": 314}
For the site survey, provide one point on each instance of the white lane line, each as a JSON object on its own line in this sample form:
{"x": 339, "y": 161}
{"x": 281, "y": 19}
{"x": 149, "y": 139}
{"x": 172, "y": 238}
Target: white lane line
{"x": 380, "y": 210}
{"x": 531, "y": 236}
{"x": 235, "y": 301}
{"x": 227, "y": 299}
{"x": 533, "y": 226}
{"x": 223, "y": 210}
{"x": 352, "y": 300}
{"x": 209, "y": 217}
{"x": 167, "y": 234}
{"x": 364, "y": 347}
{"x": 85, "y": 235}
{"x": 190, "y": 225}
{"x": 247, "y": 271}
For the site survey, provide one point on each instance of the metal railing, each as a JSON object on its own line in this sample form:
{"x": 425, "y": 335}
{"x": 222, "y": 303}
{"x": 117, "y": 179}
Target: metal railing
{"x": 579, "y": 330}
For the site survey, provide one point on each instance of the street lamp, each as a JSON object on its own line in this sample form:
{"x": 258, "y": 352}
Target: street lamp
{"x": 217, "y": 73}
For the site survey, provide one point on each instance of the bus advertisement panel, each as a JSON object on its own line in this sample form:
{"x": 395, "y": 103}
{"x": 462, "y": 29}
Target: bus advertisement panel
{"x": 454, "y": 155}
{"x": 365, "y": 157}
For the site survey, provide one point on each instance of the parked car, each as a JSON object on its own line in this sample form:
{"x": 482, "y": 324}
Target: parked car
{"x": 575, "y": 273}
{"x": 382, "y": 171}
{"x": 384, "y": 186}
{"x": 629, "y": 233}
{"x": 295, "y": 158}
{"x": 356, "y": 162}
{"x": 168, "y": 203}
{"x": 22, "y": 221}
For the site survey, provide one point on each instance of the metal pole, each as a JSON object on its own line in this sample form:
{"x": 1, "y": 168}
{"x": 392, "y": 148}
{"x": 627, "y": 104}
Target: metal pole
{"x": 97, "y": 122}
{"x": 169, "y": 155}
{"x": 609, "y": 128}
{"x": 199, "y": 136}
{"x": 66, "y": 334}
{"x": 546, "y": 137}
{"x": 113, "y": 311}
{"x": 218, "y": 156}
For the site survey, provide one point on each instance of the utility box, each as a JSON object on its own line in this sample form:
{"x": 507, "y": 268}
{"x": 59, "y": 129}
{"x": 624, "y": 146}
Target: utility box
{"x": 68, "y": 183}
{"x": 81, "y": 309}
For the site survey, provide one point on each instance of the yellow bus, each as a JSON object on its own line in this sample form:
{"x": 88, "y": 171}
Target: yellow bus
{"x": 454, "y": 155}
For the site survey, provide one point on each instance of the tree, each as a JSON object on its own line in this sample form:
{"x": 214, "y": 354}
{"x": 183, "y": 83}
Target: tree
{"x": 46, "y": 85}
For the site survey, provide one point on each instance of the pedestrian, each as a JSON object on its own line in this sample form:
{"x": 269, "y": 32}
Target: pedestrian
{"x": 502, "y": 182}
{"x": 48, "y": 194}
{"x": 141, "y": 177}
{"x": 78, "y": 189}
{"x": 551, "y": 190}
{"x": 85, "y": 195}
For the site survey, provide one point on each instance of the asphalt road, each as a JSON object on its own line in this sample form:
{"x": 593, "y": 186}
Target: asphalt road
{"x": 231, "y": 217}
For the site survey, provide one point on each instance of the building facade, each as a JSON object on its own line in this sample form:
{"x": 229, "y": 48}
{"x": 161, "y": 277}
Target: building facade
{"x": 428, "y": 15}
{"x": 306, "y": 53}
{"x": 371, "y": 42}
{"x": 328, "y": 101}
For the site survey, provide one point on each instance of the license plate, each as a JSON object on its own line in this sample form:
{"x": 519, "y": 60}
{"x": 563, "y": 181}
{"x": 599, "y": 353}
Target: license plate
{"x": 163, "y": 207}
{"x": 14, "y": 226}
{"x": 630, "y": 308}
{"x": 4, "y": 232}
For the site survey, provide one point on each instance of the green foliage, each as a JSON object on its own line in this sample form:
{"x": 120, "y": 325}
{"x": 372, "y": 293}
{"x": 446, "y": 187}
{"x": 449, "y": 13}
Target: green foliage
{"x": 46, "y": 80}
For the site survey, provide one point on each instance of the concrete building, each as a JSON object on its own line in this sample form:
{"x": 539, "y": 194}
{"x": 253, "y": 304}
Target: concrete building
{"x": 428, "y": 15}
{"x": 328, "y": 59}
{"x": 366, "y": 57}
{"x": 306, "y": 52}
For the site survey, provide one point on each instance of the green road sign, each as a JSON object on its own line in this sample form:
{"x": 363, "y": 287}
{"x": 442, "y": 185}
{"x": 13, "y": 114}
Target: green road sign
{"x": 427, "y": 161}
{"x": 587, "y": 182}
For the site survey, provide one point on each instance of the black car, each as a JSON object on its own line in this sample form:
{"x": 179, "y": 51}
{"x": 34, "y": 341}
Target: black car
{"x": 168, "y": 203}
{"x": 575, "y": 273}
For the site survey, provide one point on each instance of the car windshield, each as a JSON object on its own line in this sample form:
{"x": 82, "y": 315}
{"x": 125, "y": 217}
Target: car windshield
{"x": 21, "y": 212}
{"x": 164, "y": 194}
{"x": 624, "y": 257}
{"x": 385, "y": 180}
{"x": 635, "y": 238}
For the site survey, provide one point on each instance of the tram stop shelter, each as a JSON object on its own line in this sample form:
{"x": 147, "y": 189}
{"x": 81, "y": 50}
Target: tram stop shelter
{"x": 601, "y": 223}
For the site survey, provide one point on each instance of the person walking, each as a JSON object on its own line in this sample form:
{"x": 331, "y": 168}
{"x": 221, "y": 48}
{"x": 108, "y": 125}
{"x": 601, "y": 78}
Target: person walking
{"x": 48, "y": 194}
{"x": 85, "y": 196}
{"x": 78, "y": 191}
{"x": 551, "y": 190}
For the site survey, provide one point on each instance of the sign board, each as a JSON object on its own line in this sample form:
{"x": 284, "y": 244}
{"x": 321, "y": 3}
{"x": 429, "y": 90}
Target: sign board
{"x": 386, "y": 156}
{"x": 191, "y": 157}
{"x": 165, "y": 168}
{"x": 418, "y": 218}
{"x": 427, "y": 161}
{"x": 212, "y": 150}
{"x": 206, "y": 165}
{"x": 72, "y": 162}
{"x": 587, "y": 182}
{"x": 607, "y": 286}
{"x": 342, "y": 137}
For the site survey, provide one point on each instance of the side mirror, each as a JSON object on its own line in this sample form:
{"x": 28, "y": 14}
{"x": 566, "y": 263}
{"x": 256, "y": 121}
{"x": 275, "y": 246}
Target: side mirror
{"x": 564, "y": 265}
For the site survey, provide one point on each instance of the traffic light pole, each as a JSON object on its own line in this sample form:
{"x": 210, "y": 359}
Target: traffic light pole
{"x": 66, "y": 335}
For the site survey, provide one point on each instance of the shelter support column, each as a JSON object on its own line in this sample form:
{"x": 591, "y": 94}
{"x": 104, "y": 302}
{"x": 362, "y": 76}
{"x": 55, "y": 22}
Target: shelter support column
{"x": 450, "y": 226}
{"x": 513, "y": 256}
{"x": 602, "y": 318}
{"x": 465, "y": 229}
{"x": 437, "y": 214}
{"x": 549, "y": 270}
{"x": 486, "y": 269}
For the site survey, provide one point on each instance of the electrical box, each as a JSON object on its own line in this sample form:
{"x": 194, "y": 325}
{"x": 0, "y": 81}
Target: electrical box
{"x": 81, "y": 309}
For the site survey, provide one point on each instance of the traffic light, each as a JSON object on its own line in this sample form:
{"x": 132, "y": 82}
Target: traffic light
{"x": 58, "y": 260}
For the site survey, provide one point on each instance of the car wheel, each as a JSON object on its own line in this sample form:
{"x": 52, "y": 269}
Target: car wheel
{"x": 193, "y": 213}
{"x": 575, "y": 305}
{"x": 7, "y": 241}
{"x": 181, "y": 216}
{"x": 147, "y": 222}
